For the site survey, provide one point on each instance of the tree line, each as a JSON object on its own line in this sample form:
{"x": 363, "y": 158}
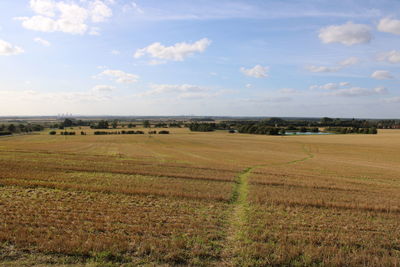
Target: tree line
{"x": 20, "y": 128}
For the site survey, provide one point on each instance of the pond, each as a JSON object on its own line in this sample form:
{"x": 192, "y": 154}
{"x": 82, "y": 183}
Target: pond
{"x": 307, "y": 133}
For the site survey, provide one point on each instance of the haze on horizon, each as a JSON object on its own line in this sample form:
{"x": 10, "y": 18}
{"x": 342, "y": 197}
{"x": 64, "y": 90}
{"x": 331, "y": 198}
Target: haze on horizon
{"x": 228, "y": 58}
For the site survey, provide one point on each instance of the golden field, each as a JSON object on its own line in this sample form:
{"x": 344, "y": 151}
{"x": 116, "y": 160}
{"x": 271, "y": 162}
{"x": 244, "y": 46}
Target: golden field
{"x": 200, "y": 199}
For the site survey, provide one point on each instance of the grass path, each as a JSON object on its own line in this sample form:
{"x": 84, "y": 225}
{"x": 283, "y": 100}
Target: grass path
{"x": 237, "y": 218}
{"x": 237, "y": 233}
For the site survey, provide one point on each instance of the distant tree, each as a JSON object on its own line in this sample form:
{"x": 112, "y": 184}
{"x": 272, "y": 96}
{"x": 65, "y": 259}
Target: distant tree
{"x": 68, "y": 123}
{"x": 326, "y": 121}
{"x": 52, "y": 132}
{"x": 146, "y": 124}
{"x": 102, "y": 125}
{"x": 115, "y": 124}
{"x": 11, "y": 128}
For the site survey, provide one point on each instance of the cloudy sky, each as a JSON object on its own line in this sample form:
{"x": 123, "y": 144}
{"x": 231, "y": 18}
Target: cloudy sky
{"x": 200, "y": 57}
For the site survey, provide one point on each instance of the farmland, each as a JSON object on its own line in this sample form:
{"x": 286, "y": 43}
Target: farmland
{"x": 200, "y": 198}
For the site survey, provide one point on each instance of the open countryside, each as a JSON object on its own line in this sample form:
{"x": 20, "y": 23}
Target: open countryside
{"x": 222, "y": 133}
{"x": 200, "y": 198}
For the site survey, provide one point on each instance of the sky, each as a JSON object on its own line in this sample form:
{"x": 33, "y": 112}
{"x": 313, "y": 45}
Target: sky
{"x": 287, "y": 58}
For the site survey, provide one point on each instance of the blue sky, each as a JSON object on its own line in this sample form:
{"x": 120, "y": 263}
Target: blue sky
{"x": 238, "y": 58}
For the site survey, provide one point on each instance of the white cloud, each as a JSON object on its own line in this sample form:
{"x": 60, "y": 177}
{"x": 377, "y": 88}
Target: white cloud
{"x": 182, "y": 91}
{"x": 42, "y": 41}
{"x": 380, "y": 90}
{"x": 389, "y": 25}
{"x": 99, "y": 11}
{"x": 358, "y": 91}
{"x": 391, "y": 56}
{"x": 313, "y": 68}
{"x": 349, "y": 61}
{"x": 68, "y": 17}
{"x": 103, "y": 88}
{"x": 119, "y": 76}
{"x": 381, "y": 75}
{"x": 7, "y": 49}
{"x": 249, "y": 85}
{"x": 347, "y": 34}
{"x": 342, "y": 64}
{"x": 115, "y": 52}
{"x": 43, "y": 7}
{"x": 257, "y": 71}
{"x": 177, "y": 52}
{"x": 330, "y": 86}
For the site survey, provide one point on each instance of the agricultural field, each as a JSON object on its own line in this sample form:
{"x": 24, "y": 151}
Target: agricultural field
{"x": 200, "y": 199}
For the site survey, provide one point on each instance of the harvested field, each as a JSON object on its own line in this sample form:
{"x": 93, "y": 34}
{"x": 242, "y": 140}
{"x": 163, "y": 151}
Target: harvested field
{"x": 200, "y": 199}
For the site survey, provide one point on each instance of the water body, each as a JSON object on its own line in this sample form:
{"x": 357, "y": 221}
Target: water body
{"x": 306, "y": 133}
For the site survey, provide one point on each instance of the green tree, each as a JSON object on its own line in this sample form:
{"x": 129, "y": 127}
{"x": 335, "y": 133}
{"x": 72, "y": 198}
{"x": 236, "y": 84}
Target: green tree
{"x": 12, "y": 128}
{"x": 68, "y": 123}
{"x": 146, "y": 124}
{"x": 115, "y": 124}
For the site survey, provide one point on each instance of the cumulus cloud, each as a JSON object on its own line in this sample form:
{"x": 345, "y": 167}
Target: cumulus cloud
{"x": 391, "y": 56}
{"x": 381, "y": 75}
{"x": 42, "y": 41}
{"x": 358, "y": 91}
{"x": 347, "y": 34}
{"x": 43, "y": 7}
{"x": 313, "y": 68}
{"x": 257, "y": 71}
{"x": 103, "y": 88}
{"x": 330, "y": 86}
{"x": 389, "y": 25}
{"x": 119, "y": 76}
{"x": 182, "y": 91}
{"x": 340, "y": 65}
{"x": 99, "y": 11}
{"x": 177, "y": 52}
{"x": 67, "y": 17}
{"x": 7, "y": 49}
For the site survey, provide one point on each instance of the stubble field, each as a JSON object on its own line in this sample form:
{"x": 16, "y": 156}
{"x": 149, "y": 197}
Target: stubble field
{"x": 200, "y": 199}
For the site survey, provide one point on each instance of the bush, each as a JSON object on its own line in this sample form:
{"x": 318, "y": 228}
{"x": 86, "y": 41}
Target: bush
{"x": 163, "y": 132}
{"x": 52, "y": 132}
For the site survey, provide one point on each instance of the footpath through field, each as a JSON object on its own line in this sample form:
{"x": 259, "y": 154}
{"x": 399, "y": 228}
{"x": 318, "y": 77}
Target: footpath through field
{"x": 236, "y": 234}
